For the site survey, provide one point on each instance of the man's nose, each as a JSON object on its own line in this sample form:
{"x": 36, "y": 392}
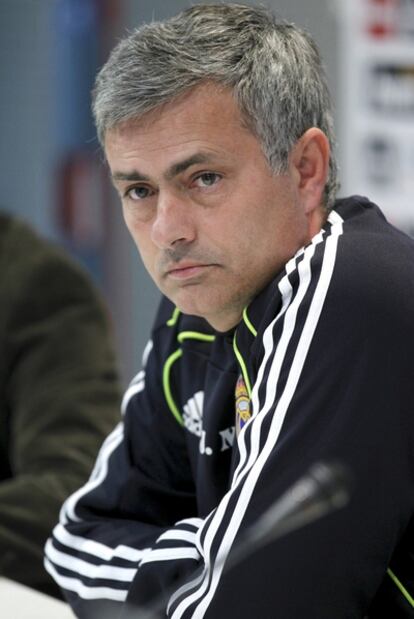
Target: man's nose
{"x": 174, "y": 221}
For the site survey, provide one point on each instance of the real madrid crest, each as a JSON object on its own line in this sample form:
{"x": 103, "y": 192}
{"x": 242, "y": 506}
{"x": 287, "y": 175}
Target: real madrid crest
{"x": 243, "y": 409}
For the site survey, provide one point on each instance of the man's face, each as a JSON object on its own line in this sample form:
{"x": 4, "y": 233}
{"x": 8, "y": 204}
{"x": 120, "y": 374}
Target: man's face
{"x": 211, "y": 221}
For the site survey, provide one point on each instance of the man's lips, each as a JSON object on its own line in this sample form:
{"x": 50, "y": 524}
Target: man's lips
{"x": 187, "y": 270}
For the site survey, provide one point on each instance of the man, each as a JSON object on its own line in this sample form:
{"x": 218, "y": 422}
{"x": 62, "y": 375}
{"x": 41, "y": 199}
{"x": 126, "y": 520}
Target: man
{"x": 59, "y": 393}
{"x": 287, "y": 340}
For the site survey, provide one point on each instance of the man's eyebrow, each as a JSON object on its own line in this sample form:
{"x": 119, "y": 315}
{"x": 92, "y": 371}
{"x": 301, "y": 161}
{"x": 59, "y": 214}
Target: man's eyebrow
{"x": 172, "y": 171}
{"x": 181, "y": 166}
{"x": 134, "y": 175}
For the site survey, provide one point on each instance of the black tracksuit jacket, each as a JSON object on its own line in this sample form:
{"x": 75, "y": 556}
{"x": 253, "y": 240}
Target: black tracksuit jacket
{"x": 320, "y": 368}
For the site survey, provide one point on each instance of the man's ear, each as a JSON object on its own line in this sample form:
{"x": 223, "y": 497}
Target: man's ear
{"x": 309, "y": 165}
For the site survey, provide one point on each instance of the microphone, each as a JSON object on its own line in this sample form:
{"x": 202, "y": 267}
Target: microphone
{"x": 323, "y": 489}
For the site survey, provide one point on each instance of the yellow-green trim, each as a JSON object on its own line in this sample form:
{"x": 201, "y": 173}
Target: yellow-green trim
{"x": 166, "y": 385}
{"x": 195, "y": 335}
{"x": 184, "y": 335}
{"x": 248, "y": 323}
{"x": 243, "y": 366}
{"x": 401, "y": 587}
{"x": 173, "y": 320}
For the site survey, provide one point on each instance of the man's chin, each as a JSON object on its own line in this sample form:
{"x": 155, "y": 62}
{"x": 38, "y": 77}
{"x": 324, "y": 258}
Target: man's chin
{"x": 189, "y": 305}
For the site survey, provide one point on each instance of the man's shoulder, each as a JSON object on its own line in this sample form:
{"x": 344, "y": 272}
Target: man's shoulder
{"x": 358, "y": 266}
{"x": 364, "y": 227}
{"x": 372, "y": 255}
{"x": 23, "y": 249}
{"x": 15, "y": 237}
{"x": 38, "y": 275}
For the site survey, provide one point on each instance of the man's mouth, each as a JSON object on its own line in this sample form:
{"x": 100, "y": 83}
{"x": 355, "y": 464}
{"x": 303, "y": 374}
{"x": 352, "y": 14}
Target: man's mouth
{"x": 189, "y": 270}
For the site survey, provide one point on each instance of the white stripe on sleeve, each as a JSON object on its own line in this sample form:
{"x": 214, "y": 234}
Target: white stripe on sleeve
{"x": 89, "y": 570}
{"x": 85, "y": 592}
{"x": 97, "y": 549}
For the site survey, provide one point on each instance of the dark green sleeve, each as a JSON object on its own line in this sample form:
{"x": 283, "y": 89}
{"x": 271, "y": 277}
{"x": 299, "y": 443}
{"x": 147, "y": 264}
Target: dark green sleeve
{"x": 60, "y": 399}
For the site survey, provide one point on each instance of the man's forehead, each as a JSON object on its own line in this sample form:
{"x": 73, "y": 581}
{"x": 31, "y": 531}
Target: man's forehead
{"x": 204, "y": 127}
{"x": 207, "y": 95}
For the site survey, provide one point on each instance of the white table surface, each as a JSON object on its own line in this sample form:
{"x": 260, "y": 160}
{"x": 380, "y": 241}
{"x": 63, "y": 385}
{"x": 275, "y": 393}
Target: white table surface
{"x": 19, "y": 602}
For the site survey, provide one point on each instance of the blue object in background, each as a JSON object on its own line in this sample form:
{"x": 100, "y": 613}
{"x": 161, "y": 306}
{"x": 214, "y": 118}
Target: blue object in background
{"x": 76, "y": 57}
{"x": 79, "y": 185}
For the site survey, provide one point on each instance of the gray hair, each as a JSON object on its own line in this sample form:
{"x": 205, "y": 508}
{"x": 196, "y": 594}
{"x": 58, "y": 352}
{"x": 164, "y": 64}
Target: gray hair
{"x": 273, "y": 67}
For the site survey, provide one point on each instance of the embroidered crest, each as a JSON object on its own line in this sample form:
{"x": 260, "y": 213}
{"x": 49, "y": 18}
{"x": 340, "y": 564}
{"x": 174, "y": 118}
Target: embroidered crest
{"x": 243, "y": 410}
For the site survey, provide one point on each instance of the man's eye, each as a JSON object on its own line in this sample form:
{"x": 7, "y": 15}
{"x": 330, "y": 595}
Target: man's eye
{"x": 138, "y": 193}
{"x": 207, "y": 179}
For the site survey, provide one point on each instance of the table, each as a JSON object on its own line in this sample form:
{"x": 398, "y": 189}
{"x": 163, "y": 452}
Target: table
{"x": 19, "y": 602}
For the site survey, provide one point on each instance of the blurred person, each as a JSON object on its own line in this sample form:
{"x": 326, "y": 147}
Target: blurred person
{"x": 59, "y": 393}
{"x": 285, "y": 338}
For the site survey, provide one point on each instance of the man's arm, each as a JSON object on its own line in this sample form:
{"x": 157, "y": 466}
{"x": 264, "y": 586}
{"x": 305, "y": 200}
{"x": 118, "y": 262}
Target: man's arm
{"x": 139, "y": 501}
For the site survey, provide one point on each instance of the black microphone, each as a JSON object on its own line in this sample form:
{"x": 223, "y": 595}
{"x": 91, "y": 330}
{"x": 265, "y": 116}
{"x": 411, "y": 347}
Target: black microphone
{"x": 323, "y": 489}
